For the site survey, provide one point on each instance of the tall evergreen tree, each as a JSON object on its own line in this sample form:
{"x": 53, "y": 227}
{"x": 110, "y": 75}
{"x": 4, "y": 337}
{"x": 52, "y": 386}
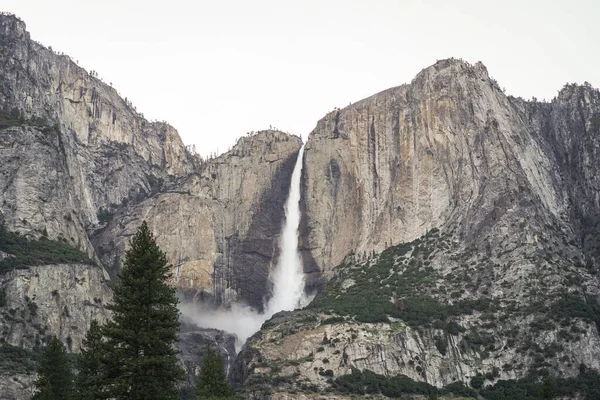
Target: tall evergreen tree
{"x": 55, "y": 377}
{"x": 213, "y": 380}
{"x": 140, "y": 361}
{"x": 88, "y": 381}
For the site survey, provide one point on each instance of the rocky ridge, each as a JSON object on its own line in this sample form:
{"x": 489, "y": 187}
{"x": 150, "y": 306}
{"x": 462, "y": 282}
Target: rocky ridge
{"x": 219, "y": 226}
{"x": 98, "y": 152}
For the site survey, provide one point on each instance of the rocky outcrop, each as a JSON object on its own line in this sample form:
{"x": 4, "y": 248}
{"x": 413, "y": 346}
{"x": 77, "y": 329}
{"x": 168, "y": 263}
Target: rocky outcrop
{"x": 220, "y": 226}
{"x": 107, "y": 168}
{"x": 40, "y": 302}
{"x": 59, "y": 300}
{"x": 511, "y": 184}
{"x": 97, "y": 152}
{"x": 16, "y": 386}
{"x": 193, "y": 343}
{"x": 80, "y": 165}
{"x": 470, "y": 218}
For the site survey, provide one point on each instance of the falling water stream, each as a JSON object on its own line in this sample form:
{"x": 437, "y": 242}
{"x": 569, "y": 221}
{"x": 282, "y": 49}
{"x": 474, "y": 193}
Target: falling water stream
{"x": 287, "y": 278}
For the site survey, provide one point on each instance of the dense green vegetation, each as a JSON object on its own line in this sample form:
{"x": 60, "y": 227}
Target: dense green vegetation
{"x": 546, "y": 387}
{"x": 55, "y": 376}
{"x": 27, "y": 252}
{"x": 213, "y": 383}
{"x": 570, "y": 306}
{"x": 395, "y": 284}
{"x": 17, "y": 360}
{"x": 532, "y": 388}
{"x": 367, "y": 382}
{"x": 138, "y": 341}
{"x": 132, "y": 356}
{"x": 88, "y": 383}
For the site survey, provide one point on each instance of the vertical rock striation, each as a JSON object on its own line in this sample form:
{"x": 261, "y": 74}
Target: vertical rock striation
{"x": 218, "y": 226}
{"x": 487, "y": 209}
{"x": 449, "y": 149}
{"x": 97, "y": 152}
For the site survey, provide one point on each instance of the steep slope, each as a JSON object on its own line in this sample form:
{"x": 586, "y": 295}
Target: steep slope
{"x": 460, "y": 223}
{"x": 78, "y": 164}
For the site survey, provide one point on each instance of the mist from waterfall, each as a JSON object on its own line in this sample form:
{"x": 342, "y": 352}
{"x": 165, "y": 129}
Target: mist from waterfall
{"x": 287, "y": 279}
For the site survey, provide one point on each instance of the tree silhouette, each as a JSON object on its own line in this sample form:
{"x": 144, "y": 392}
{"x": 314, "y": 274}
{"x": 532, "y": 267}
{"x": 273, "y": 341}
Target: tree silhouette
{"x": 140, "y": 361}
{"x": 213, "y": 380}
{"x": 55, "y": 377}
{"x": 88, "y": 381}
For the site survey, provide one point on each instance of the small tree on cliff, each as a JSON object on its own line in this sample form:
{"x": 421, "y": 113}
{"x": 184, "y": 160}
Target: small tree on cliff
{"x": 140, "y": 361}
{"x": 55, "y": 377}
{"x": 213, "y": 380}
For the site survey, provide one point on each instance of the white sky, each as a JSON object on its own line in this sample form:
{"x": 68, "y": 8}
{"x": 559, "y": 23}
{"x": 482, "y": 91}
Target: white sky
{"x": 218, "y": 69}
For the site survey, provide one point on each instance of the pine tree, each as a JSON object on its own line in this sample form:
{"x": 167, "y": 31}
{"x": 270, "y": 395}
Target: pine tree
{"x": 213, "y": 380}
{"x": 55, "y": 377}
{"x": 140, "y": 360}
{"x": 88, "y": 381}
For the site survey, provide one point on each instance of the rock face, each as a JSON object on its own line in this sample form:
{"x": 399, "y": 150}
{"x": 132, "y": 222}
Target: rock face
{"x": 454, "y": 223}
{"x": 193, "y": 343}
{"x": 513, "y": 188}
{"x": 97, "y": 152}
{"x": 107, "y": 168}
{"x": 219, "y": 226}
{"x": 39, "y": 302}
{"x": 449, "y": 148}
{"x": 52, "y": 299}
{"x": 80, "y": 165}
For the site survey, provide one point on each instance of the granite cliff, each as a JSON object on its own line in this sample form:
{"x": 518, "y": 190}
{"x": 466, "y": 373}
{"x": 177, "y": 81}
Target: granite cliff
{"x": 80, "y": 166}
{"x": 457, "y": 227}
{"x": 451, "y": 229}
{"x": 102, "y": 159}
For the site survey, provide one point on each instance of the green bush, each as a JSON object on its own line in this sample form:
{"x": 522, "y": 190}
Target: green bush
{"x": 333, "y": 320}
{"x": 572, "y": 306}
{"x": 459, "y": 389}
{"x": 441, "y": 343}
{"x": 368, "y": 382}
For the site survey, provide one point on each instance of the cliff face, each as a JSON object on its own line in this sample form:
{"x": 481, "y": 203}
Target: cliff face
{"x": 106, "y": 168}
{"x": 448, "y": 149}
{"x": 75, "y": 149}
{"x": 219, "y": 226}
{"x": 458, "y": 227}
{"x": 52, "y": 299}
{"x": 41, "y": 301}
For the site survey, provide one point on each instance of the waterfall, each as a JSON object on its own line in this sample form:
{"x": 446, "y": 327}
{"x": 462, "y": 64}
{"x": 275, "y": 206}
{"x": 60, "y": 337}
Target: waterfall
{"x": 288, "y": 276}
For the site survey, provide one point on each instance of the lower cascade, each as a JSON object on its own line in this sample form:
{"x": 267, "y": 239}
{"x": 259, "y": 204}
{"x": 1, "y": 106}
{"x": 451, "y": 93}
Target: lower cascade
{"x": 287, "y": 279}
